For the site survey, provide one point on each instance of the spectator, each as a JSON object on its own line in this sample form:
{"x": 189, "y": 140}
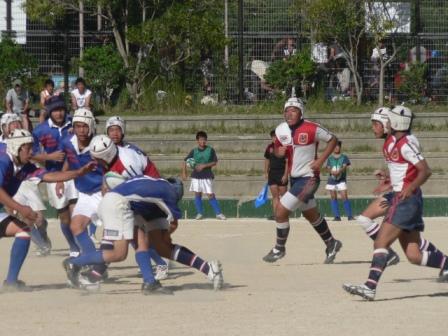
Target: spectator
{"x": 17, "y": 101}
{"x": 45, "y": 95}
{"x": 81, "y": 96}
{"x": 201, "y": 159}
{"x": 276, "y": 172}
{"x": 337, "y": 165}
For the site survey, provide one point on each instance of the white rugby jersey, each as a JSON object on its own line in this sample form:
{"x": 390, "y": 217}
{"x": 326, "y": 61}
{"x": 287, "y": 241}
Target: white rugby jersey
{"x": 81, "y": 98}
{"x": 401, "y": 157}
{"x": 302, "y": 143}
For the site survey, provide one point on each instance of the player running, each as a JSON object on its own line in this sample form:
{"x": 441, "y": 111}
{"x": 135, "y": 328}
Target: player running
{"x": 299, "y": 138}
{"x": 408, "y": 171}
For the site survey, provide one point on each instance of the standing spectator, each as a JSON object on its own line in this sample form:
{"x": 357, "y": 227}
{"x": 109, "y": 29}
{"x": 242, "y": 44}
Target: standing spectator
{"x": 276, "y": 172}
{"x": 337, "y": 165}
{"x": 17, "y": 101}
{"x": 201, "y": 159}
{"x": 81, "y": 96}
{"x": 45, "y": 95}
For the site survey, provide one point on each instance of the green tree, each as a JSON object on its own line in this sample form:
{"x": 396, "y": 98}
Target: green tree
{"x": 341, "y": 21}
{"x": 295, "y": 71}
{"x": 103, "y": 68}
{"x": 151, "y": 36}
{"x": 15, "y": 64}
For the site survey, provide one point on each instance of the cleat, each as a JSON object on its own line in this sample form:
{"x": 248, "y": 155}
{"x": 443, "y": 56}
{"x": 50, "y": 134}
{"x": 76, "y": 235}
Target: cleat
{"x": 88, "y": 284}
{"x": 155, "y": 288}
{"x": 443, "y": 276}
{"x": 43, "y": 251}
{"x": 272, "y": 217}
{"x": 392, "y": 258}
{"x": 74, "y": 254}
{"x": 351, "y": 218}
{"x": 337, "y": 219}
{"x": 221, "y": 217}
{"x": 13, "y": 287}
{"x": 94, "y": 276}
{"x": 273, "y": 256}
{"x": 161, "y": 272}
{"x": 199, "y": 216}
{"x": 332, "y": 249}
{"x": 360, "y": 290}
{"x": 72, "y": 272}
{"x": 215, "y": 274}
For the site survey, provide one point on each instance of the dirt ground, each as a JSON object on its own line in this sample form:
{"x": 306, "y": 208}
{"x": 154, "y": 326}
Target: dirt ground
{"x": 299, "y": 295}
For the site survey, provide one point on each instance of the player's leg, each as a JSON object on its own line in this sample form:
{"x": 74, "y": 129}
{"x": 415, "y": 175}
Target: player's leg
{"x": 207, "y": 188}
{"x": 12, "y": 227}
{"x": 334, "y": 205}
{"x": 387, "y": 234}
{"x": 275, "y": 193}
{"x": 162, "y": 241}
{"x": 195, "y": 187}
{"x": 342, "y": 187}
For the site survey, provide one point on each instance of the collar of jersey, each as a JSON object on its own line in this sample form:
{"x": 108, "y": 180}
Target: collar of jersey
{"x": 74, "y": 141}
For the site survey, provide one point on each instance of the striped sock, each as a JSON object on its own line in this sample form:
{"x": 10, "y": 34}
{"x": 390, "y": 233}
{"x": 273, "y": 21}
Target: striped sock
{"x": 426, "y": 245}
{"x": 186, "y": 257}
{"x": 376, "y": 269}
{"x": 433, "y": 259}
{"x": 323, "y": 230}
{"x": 370, "y": 227}
{"x": 282, "y": 236}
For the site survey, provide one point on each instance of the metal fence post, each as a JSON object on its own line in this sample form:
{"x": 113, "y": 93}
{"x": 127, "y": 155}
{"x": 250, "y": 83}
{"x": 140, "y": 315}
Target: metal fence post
{"x": 240, "y": 52}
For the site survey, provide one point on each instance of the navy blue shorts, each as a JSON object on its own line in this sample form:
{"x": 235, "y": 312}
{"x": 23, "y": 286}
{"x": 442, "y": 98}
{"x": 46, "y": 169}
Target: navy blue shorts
{"x": 407, "y": 214}
{"x": 304, "y": 188}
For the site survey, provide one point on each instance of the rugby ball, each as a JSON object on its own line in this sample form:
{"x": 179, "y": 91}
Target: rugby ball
{"x": 112, "y": 179}
{"x": 191, "y": 163}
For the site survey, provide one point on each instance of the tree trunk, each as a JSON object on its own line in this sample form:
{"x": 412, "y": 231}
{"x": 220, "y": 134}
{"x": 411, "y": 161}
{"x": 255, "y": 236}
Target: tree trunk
{"x": 381, "y": 85}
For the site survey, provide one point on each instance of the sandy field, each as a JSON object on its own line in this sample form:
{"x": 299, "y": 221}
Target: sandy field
{"x": 299, "y": 295}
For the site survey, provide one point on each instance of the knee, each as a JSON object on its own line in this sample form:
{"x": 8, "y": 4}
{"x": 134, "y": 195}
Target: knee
{"x": 281, "y": 213}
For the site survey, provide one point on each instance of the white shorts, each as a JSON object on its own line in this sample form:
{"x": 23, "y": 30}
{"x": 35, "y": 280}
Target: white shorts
{"x": 70, "y": 193}
{"x": 87, "y": 205}
{"x": 341, "y": 186}
{"x": 29, "y": 195}
{"x": 119, "y": 220}
{"x": 202, "y": 185}
{"x": 292, "y": 203}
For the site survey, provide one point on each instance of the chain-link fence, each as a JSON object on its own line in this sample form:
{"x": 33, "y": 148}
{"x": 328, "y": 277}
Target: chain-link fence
{"x": 261, "y": 32}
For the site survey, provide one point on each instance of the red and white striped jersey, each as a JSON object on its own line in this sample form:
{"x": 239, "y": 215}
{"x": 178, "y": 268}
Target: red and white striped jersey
{"x": 302, "y": 144}
{"x": 401, "y": 157}
{"x": 130, "y": 164}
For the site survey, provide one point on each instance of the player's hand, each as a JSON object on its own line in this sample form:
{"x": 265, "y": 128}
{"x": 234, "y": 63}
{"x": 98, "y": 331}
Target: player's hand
{"x": 199, "y": 167}
{"x": 316, "y": 165}
{"x": 380, "y": 174}
{"x": 58, "y": 156}
{"x": 59, "y": 189}
{"x": 87, "y": 168}
{"x": 284, "y": 179}
{"x": 383, "y": 186}
{"x": 28, "y": 214}
{"x": 406, "y": 192}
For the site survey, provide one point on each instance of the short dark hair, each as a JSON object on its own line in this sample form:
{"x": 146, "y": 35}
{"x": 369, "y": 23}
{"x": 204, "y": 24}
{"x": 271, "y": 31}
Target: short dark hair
{"x": 49, "y": 82}
{"x": 80, "y": 80}
{"x": 272, "y": 133}
{"x": 339, "y": 143}
{"x": 201, "y": 134}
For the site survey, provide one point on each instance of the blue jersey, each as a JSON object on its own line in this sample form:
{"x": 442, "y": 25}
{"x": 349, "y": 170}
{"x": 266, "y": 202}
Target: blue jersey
{"x": 90, "y": 182}
{"x": 48, "y": 137}
{"x": 149, "y": 197}
{"x": 2, "y": 147}
{"x": 11, "y": 176}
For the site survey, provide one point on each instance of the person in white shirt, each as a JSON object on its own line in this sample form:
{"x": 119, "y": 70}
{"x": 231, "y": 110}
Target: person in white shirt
{"x": 81, "y": 96}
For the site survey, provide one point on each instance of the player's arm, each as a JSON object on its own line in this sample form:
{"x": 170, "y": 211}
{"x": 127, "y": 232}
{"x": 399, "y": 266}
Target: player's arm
{"x": 87, "y": 104}
{"x": 286, "y": 172}
{"x": 412, "y": 154}
{"x": 74, "y": 102}
{"x": 331, "y": 140}
{"x": 8, "y": 103}
{"x": 62, "y": 176}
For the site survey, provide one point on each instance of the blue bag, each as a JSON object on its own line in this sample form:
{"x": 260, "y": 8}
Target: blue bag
{"x": 262, "y": 197}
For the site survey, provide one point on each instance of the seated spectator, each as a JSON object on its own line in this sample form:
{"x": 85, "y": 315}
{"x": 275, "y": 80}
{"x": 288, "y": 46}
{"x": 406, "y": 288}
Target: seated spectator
{"x": 17, "y": 101}
{"x": 81, "y": 96}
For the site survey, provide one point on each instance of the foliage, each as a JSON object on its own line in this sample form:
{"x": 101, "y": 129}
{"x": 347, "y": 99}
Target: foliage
{"x": 103, "y": 70}
{"x": 413, "y": 82}
{"x": 15, "y": 63}
{"x": 292, "y": 72}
